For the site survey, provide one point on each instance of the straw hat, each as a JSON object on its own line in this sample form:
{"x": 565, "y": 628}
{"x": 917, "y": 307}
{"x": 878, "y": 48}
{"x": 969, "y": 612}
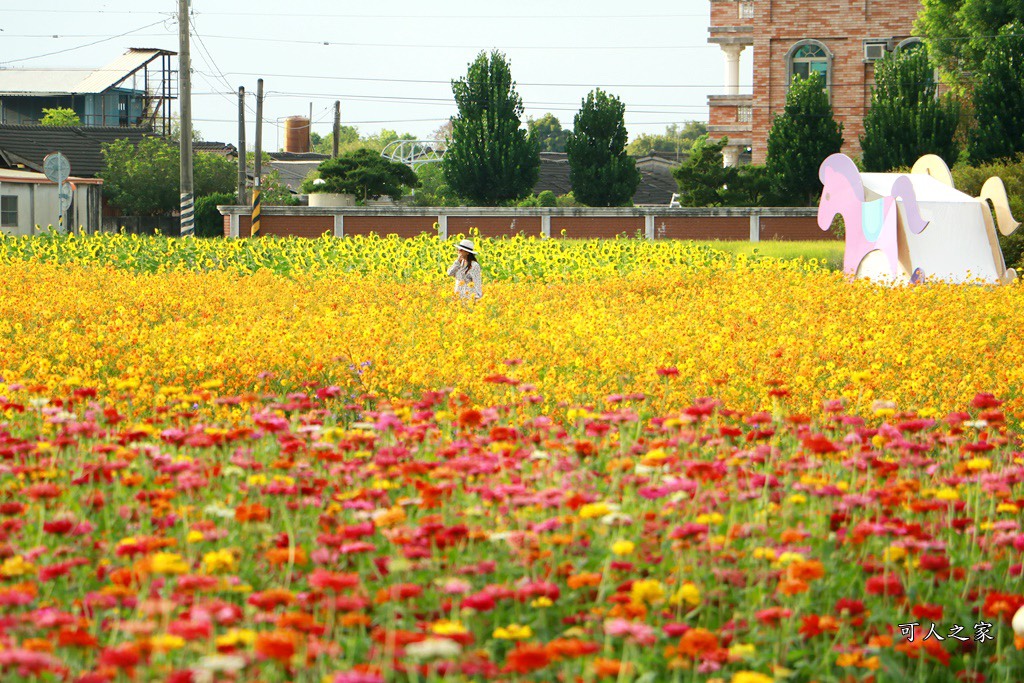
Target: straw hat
{"x": 466, "y": 245}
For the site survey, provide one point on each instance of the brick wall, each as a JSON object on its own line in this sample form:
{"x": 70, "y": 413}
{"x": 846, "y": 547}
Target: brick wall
{"x": 666, "y": 226}
{"x": 403, "y": 226}
{"x": 724, "y": 228}
{"x": 841, "y": 26}
{"x": 794, "y": 228}
{"x": 581, "y": 227}
{"x": 495, "y": 226}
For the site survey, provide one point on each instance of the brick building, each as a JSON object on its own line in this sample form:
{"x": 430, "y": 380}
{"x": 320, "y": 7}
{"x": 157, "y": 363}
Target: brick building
{"x": 839, "y": 40}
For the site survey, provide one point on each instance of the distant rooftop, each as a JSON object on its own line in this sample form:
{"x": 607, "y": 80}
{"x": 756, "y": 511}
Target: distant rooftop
{"x": 28, "y": 145}
{"x": 76, "y": 81}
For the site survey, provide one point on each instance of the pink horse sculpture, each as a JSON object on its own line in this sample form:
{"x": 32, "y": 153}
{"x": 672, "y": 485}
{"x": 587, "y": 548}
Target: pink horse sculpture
{"x": 869, "y": 225}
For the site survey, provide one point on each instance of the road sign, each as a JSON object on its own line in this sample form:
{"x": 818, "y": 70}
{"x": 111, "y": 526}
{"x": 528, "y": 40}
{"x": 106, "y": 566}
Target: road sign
{"x": 67, "y": 194}
{"x": 56, "y": 167}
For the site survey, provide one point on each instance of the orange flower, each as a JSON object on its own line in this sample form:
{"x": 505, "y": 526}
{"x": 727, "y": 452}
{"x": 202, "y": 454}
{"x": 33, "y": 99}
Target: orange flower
{"x": 37, "y": 645}
{"x": 585, "y": 579}
{"x": 470, "y": 418}
{"x": 696, "y": 642}
{"x": 806, "y": 571}
{"x": 252, "y": 513}
{"x": 282, "y": 556}
{"x": 278, "y": 645}
{"x": 355, "y": 619}
{"x": 568, "y": 648}
{"x": 792, "y": 587}
{"x": 608, "y": 668}
{"x": 526, "y": 657}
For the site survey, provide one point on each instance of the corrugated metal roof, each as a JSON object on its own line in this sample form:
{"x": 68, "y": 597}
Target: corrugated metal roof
{"x": 113, "y": 73}
{"x": 40, "y": 81}
{"x": 76, "y": 81}
{"x": 82, "y": 146}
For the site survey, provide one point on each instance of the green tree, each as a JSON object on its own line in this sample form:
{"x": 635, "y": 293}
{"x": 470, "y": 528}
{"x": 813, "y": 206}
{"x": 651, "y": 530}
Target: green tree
{"x": 959, "y": 33}
{"x": 676, "y": 140}
{"x": 490, "y": 159}
{"x": 348, "y": 140}
{"x": 799, "y": 140}
{"x": 60, "y": 117}
{"x": 998, "y": 98}
{"x": 600, "y": 170}
{"x": 702, "y": 178}
{"x": 365, "y": 174}
{"x": 907, "y": 118}
{"x": 143, "y": 179}
{"x": 433, "y": 189}
{"x": 548, "y": 132}
{"x": 209, "y": 221}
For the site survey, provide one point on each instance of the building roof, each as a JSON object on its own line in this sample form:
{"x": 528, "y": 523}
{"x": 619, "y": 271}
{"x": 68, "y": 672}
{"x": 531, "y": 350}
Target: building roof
{"x": 28, "y": 145}
{"x": 223, "y": 148}
{"x": 292, "y": 173}
{"x": 12, "y": 175}
{"x": 37, "y": 82}
{"x": 298, "y": 156}
{"x": 657, "y": 184}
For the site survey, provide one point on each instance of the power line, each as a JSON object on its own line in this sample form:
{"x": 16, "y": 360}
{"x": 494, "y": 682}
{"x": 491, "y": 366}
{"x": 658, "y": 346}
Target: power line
{"x": 333, "y": 43}
{"x": 390, "y": 17}
{"x": 79, "y": 47}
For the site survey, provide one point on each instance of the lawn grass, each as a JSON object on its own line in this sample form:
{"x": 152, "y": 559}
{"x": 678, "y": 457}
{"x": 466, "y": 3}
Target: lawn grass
{"x": 826, "y": 251}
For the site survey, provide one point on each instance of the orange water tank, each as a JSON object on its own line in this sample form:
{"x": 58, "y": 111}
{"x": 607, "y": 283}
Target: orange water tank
{"x": 296, "y": 134}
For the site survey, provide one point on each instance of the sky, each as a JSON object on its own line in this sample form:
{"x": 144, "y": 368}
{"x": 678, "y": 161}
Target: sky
{"x": 390, "y": 63}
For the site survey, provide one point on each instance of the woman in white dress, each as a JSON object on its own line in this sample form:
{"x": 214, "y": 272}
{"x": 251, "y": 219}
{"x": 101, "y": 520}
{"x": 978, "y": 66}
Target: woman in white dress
{"x": 466, "y": 271}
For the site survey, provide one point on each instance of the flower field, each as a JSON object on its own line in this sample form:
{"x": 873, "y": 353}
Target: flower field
{"x": 288, "y": 460}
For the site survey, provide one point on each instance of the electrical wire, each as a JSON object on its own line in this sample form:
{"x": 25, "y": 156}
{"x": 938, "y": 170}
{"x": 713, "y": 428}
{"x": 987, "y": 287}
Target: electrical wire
{"x": 79, "y": 47}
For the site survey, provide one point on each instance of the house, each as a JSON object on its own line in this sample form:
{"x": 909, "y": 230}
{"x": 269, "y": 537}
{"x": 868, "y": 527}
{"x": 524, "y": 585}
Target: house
{"x": 29, "y": 199}
{"x": 23, "y": 147}
{"x": 797, "y": 38}
{"x": 135, "y": 89}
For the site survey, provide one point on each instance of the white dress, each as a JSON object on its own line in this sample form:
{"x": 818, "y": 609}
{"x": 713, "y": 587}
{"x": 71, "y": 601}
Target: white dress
{"x": 467, "y": 283}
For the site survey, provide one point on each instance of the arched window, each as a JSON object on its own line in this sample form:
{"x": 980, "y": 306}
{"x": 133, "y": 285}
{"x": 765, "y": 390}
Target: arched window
{"x": 910, "y": 44}
{"x": 810, "y": 57}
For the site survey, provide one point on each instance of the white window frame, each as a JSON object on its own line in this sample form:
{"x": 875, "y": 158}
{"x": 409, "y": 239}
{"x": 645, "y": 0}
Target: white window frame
{"x": 829, "y": 60}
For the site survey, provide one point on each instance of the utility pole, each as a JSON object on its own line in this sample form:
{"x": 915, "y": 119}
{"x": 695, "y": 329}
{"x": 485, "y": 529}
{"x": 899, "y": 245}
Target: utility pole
{"x": 242, "y": 195}
{"x": 188, "y": 218}
{"x": 309, "y": 130}
{"x": 337, "y": 126}
{"x": 258, "y": 188}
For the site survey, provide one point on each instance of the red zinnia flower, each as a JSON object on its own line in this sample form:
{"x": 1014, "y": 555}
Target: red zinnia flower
{"x": 526, "y": 657}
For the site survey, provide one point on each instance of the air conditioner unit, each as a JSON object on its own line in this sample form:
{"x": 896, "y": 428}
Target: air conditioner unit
{"x": 873, "y": 51}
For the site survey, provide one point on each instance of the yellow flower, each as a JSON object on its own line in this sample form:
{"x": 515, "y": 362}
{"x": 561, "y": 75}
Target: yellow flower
{"x": 166, "y": 642}
{"x": 742, "y": 651}
{"x": 236, "y": 637}
{"x": 542, "y": 601}
{"x": 593, "y": 510}
{"x": 797, "y": 498}
{"x": 687, "y": 594}
{"x": 513, "y": 632}
{"x": 947, "y": 494}
{"x": 17, "y": 566}
{"x": 788, "y": 557}
{"x": 751, "y": 677}
{"x": 979, "y": 464}
{"x": 218, "y": 561}
{"x": 894, "y": 553}
{"x": 710, "y": 518}
{"x": 647, "y": 591}
{"x": 168, "y": 563}
{"x": 623, "y": 548}
{"x": 194, "y": 536}
{"x": 764, "y": 554}
{"x": 444, "y": 627}
{"x": 1006, "y": 507}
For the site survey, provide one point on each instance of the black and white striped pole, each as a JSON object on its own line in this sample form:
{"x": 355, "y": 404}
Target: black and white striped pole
{"x": 188, "y": 219}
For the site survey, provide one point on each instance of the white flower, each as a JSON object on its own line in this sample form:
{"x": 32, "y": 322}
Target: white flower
{"x": 1018, "y": 623}
{"x": 208, "y": 666}
{"x": 432, "y": 648}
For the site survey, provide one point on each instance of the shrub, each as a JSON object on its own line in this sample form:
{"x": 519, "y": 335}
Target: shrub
{"x": 209, "y": 221}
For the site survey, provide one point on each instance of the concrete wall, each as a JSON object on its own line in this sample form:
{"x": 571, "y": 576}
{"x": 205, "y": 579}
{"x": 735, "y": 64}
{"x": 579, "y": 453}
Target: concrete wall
{"x": 745, "y": 224}
{"x": 38, "y": 207}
